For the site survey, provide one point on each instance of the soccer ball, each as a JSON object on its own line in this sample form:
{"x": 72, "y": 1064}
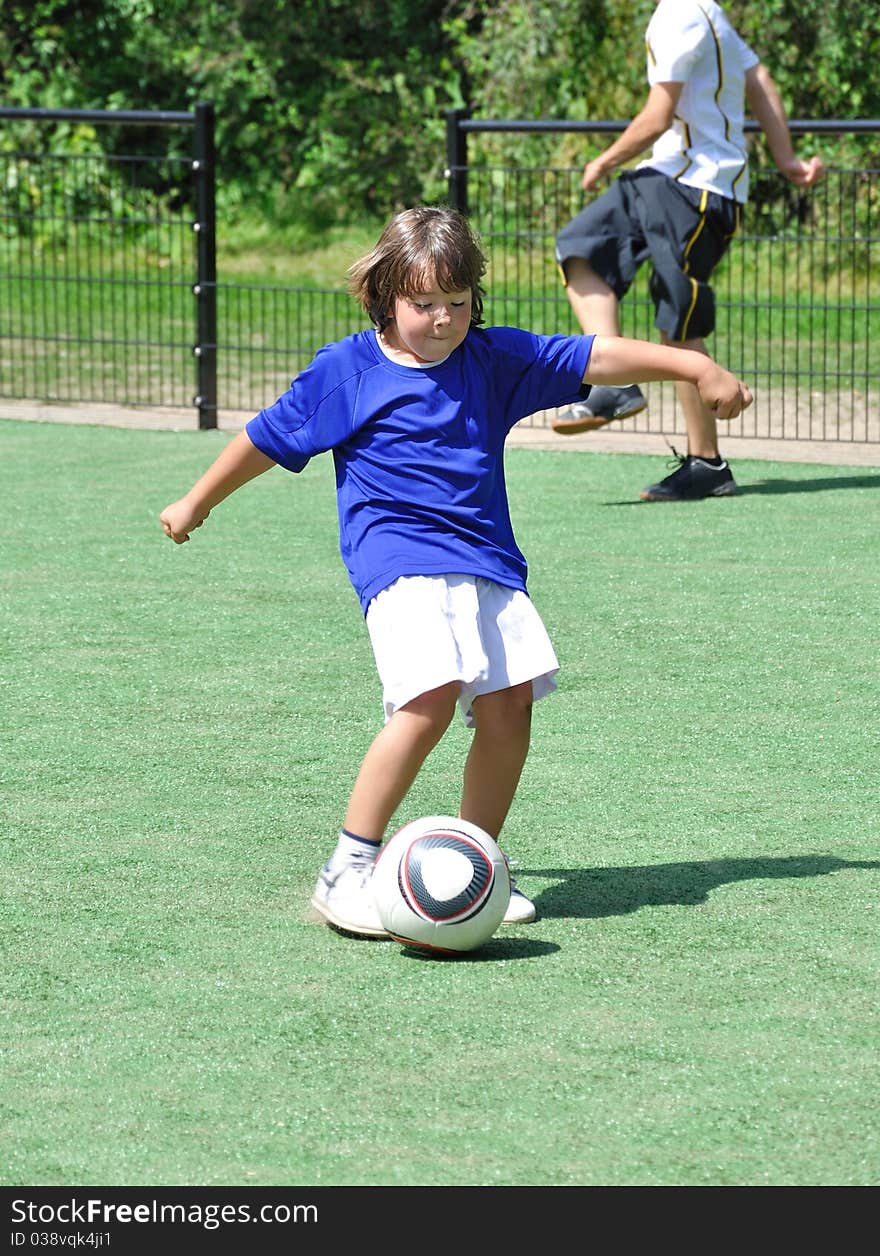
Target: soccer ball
{"x": 441, "y": 884}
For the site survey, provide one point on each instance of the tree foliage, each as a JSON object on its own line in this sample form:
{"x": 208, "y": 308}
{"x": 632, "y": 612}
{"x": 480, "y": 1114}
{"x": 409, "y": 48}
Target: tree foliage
{"x": 329, "y": 110}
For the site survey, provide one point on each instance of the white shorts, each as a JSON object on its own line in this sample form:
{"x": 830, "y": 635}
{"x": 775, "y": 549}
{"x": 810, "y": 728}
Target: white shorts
{"x": 429, "y": 630}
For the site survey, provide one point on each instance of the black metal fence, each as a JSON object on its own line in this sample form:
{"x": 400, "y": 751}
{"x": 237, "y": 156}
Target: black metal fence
{"x": 108, "y": 258}
{"x": 109, "y": 291}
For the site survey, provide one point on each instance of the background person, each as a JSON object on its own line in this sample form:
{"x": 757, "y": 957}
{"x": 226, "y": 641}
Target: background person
{"x": 679, "y": 209}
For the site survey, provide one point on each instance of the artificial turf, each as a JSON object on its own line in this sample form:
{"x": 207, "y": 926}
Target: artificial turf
{"x": 698, "y": 824}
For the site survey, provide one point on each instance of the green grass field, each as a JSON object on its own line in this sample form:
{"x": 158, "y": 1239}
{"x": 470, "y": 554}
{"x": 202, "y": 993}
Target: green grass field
{"x": 698, "y": 823}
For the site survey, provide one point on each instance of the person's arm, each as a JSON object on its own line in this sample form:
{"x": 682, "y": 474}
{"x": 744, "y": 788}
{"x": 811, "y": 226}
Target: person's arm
{"x": 769, "y": 111}
{"x": 618, "y": 360}
{"x": 648, "y": 125}
{"x": 239, "y": 462}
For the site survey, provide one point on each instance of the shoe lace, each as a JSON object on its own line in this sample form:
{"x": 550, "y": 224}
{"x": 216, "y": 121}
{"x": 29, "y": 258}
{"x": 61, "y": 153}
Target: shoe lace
{"x": 362, "y": 862}
{"x": 358, "y": 862}
{"x": 677, "y": 460}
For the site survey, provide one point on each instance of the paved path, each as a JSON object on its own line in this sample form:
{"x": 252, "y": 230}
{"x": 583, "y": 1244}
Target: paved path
{"x": 535, "y": 434}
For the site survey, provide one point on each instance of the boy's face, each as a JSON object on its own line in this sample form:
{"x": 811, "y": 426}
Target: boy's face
{"x": 431, "y": 324}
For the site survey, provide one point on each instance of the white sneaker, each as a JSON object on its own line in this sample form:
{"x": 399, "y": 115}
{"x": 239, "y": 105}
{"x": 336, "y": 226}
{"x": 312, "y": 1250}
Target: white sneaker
{"x": 344, "y": 898}
{"x": 520, "y": 910}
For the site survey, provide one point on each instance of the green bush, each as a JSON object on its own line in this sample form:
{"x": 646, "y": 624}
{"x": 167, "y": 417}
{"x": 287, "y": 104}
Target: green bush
{"x": 330, "y": 112}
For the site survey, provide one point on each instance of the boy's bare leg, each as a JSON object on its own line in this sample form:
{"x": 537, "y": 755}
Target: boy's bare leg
{"x": 702, "y": 428}
{"x": 597, "y": 310}
{"x": 595, "y": 306}
{"x": 497, "y": 756}
{"x": 394, "y": 758}
{"x": 493, "y": 769}
{"x": 342, "y": 894}
{"x": 704, "y": 473}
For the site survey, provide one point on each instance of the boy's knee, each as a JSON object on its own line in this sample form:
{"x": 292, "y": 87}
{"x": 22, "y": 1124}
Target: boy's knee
{"x": 521, "y": 697}
{"x": 507, "y": 710}
{"x": 436, "y": 707}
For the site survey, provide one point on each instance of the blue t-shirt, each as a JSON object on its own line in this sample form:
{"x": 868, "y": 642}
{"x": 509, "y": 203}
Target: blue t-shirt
{"x": 419, "y": 451}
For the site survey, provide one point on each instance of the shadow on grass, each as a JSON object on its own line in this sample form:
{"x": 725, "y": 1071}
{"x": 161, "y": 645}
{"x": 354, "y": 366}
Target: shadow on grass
{"x": 589, "y": 893}
{"x": 819, "y": 485}
{"x": 765, "y": 487}
{"x": 497, "y": 948}
{"x": 594, "y": 892}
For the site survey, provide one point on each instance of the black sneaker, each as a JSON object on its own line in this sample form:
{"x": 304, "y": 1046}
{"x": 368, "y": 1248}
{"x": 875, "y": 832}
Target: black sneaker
{"x": 692, "y": 479}
{"x": 602, "y": 405}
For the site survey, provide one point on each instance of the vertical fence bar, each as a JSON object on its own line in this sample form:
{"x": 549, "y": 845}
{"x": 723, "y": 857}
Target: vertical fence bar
{"x": 205, "y": 288}
{"x": 457, "y": 159}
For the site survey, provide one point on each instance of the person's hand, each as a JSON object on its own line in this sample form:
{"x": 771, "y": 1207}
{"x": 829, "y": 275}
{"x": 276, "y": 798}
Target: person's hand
{"x": 594, "y": 172}
{"x": 179, "y": 519}
{"x": 724, "y": 394}
{"x": 804, "y": 173}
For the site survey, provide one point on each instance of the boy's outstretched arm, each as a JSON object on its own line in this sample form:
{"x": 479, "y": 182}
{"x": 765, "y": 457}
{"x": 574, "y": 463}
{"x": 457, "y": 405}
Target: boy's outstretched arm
{"x": 618, "y": 360}
{"x": 239, "y": 462}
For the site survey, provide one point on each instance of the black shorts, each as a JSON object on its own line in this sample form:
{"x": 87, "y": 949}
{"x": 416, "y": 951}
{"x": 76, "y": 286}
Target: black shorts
{"x": 684, "y": 232}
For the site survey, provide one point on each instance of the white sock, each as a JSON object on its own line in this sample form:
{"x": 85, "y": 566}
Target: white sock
{"x": 351, "y": 847}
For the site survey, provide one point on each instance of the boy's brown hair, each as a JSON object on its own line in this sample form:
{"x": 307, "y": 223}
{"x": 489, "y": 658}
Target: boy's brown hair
{"x": 419, "y": 247}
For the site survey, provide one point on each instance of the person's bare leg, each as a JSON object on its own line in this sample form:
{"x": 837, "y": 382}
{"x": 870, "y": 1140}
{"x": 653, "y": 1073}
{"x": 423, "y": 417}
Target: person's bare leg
{"x": 497, "y": 756}
{"x": 702, "y": 429}
{"x": 597, "y": 310}
{"x": 493, "y": 770}
{"x": 595, "y": 306}
{"x": 394, "y": 758}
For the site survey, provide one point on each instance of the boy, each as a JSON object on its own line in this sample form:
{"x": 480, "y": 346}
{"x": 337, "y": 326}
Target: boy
{"x": 680, "y": 208}
{"x": 416, "y": 410}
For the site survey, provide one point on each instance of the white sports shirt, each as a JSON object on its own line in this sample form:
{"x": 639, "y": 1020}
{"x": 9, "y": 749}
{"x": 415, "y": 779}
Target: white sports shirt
{"x": 692, "y": 42}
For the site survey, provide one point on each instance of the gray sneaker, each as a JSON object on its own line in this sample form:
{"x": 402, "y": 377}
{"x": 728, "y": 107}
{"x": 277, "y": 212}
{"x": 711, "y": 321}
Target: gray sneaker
{"x": 603, "y": 405}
